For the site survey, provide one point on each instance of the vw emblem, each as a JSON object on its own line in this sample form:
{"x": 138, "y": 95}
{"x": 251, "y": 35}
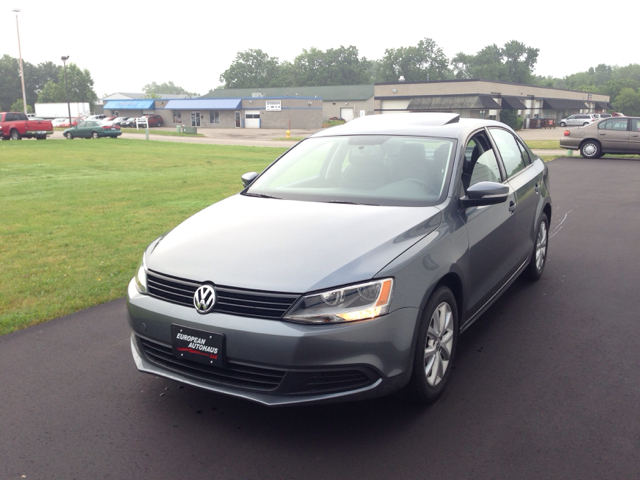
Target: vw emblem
{"x": 204, "y": 299}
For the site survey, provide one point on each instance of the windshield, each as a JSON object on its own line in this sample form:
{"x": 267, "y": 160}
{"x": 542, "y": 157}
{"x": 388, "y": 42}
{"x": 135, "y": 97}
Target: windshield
{"x": 375, "y": 170}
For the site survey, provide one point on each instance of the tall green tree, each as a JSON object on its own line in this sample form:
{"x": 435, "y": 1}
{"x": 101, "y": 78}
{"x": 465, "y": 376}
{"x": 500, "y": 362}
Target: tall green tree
{"x": 251, "y": 69}
{"x": 628, "y": 102}
{"x": 10, "y": 88}
{"x": 80, "y": 87}
{"x": 155, "y": 90}
{"x": 426, "y": 61}
{"x": 514, "y": 62}
{"x": 35, "y": 78}
{"x": 336, "y": 66}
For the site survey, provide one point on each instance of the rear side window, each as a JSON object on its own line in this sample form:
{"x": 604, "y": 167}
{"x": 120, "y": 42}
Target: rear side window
{"x": 618, "y": 124}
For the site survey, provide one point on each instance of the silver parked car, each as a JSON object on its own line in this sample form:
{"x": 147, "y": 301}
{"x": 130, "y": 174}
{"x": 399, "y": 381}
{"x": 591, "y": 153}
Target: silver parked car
{"x": 578, "y": 120}
{"x": 348, "y": 268}
{"x": 616, "y": 135}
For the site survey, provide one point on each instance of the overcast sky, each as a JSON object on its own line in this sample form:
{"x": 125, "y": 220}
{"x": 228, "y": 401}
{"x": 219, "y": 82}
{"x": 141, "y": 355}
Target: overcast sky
{"x": 126, "y": 45}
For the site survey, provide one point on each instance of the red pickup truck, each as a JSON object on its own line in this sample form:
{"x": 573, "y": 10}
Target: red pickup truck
{"x": 16, "y": 125}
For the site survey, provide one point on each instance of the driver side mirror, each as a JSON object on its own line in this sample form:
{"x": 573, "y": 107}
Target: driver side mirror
{"x": 248, "y": 178}
{"x": 485, "y": 193}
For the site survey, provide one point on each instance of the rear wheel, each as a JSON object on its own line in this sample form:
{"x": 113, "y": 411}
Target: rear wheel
{"x": 590, "y": 149}
{"x": 435, "y": 348}
{"x": 585, "y": 124}
{"x": 94, "y": 135}
{"x": 15, "y": 135}
{"x": 539, "y": 255}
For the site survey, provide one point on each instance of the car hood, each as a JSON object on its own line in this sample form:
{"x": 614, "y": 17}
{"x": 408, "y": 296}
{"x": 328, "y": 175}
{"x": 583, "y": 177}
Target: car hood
{"x": 288, "y": 246}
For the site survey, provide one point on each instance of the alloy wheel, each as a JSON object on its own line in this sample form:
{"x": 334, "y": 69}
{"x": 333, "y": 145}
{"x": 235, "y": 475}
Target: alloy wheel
{"x": 437, "y": 351}
{"x": 541, "y": 246}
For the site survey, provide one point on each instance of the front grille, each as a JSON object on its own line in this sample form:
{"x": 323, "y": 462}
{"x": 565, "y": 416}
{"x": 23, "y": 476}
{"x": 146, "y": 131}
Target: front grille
{"x": 233, "y": 301}
{"x": 233, "y": 375}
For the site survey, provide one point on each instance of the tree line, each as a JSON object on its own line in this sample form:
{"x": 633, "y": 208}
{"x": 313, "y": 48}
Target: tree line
{"x": 254, "y": 68}
{"x": 43, "y": 83}
{"x": 513, "y": 62}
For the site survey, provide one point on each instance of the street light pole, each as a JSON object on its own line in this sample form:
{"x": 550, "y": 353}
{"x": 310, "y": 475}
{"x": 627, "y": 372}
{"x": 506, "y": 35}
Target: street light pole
{"x": 24, "y": 94}
{"x": 66, "y": 87}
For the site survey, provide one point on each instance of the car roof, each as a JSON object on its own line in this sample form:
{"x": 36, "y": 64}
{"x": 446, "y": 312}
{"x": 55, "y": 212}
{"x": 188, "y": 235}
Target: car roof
{"x": 432, "y": 124}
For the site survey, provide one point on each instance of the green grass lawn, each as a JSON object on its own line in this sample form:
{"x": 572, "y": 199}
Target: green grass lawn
{"x": 76, "y": 216}
{"x": 544, "y": 144}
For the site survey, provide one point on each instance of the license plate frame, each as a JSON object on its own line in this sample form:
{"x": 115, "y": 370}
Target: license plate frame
{"x": 198, "y": 346}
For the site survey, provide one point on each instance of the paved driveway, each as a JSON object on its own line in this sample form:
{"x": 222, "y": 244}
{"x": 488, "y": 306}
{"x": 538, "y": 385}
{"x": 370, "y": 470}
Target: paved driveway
{"x": 546, "y": 384}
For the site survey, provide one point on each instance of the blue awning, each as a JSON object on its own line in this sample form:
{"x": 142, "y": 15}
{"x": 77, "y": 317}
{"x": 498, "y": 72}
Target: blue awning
{"x": 205, "y": 104}
{"x": 130, "y": 105}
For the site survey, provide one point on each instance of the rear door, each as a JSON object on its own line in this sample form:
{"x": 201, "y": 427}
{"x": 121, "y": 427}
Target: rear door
{"x": 614, "y": 134}
{"x": 525, "y": 178}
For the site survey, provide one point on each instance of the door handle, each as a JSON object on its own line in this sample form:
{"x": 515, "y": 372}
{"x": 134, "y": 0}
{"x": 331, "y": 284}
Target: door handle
{"x": 512, "y": 206}
{"x": 537, "y": 188}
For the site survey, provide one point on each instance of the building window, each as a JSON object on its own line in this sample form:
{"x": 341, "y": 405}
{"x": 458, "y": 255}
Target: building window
{"x": 177, "y": 116}
{"x": 214, "y": 116}
{"x": 483, "y": 114}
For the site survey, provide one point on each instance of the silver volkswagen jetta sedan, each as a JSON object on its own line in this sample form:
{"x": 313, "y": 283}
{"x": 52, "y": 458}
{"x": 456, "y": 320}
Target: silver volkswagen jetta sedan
{"x": 348, "y": 268}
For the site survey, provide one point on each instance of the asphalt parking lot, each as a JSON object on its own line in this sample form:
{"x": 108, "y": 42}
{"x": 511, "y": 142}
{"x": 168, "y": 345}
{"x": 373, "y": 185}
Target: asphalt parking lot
{"x": 546, "y": 384}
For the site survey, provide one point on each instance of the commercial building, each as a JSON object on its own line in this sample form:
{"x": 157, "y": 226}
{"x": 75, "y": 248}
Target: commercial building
{"x": 253, "y": 112}
{"x": 486, "y": 99}
{"x": 342, "y": 101}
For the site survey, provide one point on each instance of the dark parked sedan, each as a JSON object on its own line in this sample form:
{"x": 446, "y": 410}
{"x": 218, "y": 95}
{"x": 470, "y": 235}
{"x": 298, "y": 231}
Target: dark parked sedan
{"x": 615, "y": 135}
{"x": 348, "y": 268}
{"x": 92, "y": 129}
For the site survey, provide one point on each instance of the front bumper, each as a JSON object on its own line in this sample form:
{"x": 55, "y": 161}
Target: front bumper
{"x": 274, "y": 362}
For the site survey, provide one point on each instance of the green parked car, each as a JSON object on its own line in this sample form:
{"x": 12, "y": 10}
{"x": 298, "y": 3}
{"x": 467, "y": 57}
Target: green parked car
{"x": 92, "y": 129}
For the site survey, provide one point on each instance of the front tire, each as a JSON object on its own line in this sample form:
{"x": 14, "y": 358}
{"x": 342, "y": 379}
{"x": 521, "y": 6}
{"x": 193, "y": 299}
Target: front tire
{"x": 562, "y": 124}
{"x": 590, "y": 149}
{"x": 68, "y": 136}
{"x": 159, "y": 124}
{"x": 435, "y": 348}
{"x": 539, "y": 255}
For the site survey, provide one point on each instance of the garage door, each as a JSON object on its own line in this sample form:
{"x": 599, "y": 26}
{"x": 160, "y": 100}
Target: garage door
{"x": 252, "y": 119}
{"x": 346, "y": 114}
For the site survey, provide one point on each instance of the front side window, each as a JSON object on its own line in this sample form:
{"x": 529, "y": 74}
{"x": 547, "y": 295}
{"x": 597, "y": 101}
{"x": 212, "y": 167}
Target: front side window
{"x": 480, "y": 163}
{"x": 509, "y": 151}
{"x": 375, "y": 170}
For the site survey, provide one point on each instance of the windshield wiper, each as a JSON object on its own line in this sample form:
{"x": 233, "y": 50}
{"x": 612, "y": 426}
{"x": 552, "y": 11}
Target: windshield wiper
{"x": 352, "y": 203}
{"x": 261, "y": 195}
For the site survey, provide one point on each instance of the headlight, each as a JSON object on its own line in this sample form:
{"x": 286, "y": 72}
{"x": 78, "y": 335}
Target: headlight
{"x": 141, "y": 275}
{"x": 348, "y": 304}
